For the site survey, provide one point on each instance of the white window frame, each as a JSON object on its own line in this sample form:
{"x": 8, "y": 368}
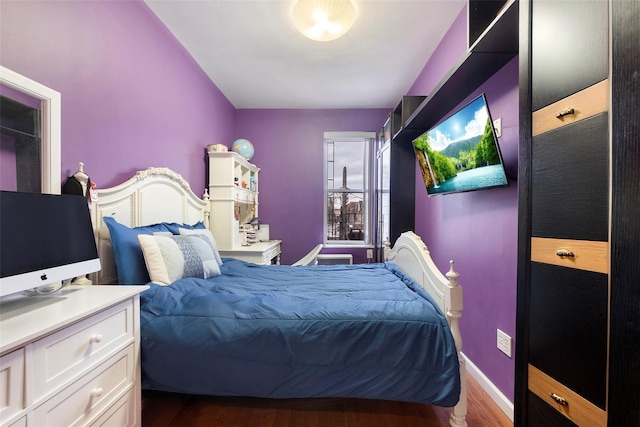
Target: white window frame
{"x": 368, "y": 138}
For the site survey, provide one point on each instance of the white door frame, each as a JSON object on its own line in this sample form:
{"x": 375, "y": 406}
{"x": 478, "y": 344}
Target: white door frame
{"x": 51, "y": 125}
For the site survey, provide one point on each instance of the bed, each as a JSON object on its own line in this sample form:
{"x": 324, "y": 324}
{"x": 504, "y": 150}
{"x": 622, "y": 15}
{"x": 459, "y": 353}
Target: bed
{"x": 377, "y": 331}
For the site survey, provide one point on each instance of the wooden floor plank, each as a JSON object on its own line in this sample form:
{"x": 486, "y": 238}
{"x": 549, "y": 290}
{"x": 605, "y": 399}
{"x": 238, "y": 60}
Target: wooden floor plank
{"x": 173, "y": 409}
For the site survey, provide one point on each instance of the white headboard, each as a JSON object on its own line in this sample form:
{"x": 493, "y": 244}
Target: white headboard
{"x": 151, "y": 196}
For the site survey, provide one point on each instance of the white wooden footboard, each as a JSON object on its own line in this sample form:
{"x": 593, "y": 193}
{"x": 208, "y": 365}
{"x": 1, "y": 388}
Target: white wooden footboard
{"x": 412, "y": 256}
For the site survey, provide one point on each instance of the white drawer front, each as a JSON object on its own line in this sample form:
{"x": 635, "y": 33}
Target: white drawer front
{"x": 69, "y": 353}
{"x": 88, "y": 397}
{"x": 267, "y": 256}
{"x": 120, "y": 414}
{"x": 12, "y": 379}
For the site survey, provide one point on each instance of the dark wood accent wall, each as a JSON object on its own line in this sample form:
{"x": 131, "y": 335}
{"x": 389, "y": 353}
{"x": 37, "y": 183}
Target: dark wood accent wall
{"x": 624, "y": 374}
{"x": 560, "y": 66}
{"x": 553, "y": 297}
{"x": 568, "y": 328}
{"x": 524, "y": 400}
{"x": 570, "y": 181}
{"x": 402, "y": 189}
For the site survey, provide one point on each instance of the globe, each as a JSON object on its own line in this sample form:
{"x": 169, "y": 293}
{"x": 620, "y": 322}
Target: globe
{"x": 243, "y": 147}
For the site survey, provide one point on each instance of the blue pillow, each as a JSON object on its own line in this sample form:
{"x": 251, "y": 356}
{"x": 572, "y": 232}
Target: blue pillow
{"x": 127, "y": 252}
{"x": 174, "y": 228}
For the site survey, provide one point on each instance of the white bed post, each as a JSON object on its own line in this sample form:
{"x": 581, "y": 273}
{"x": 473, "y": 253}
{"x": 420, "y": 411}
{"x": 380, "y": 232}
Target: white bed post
{"x": 454, "y": 313}
{"x": 207, "y": 209}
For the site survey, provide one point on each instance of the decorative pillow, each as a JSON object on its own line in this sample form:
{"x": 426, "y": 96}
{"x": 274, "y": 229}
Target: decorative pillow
{"x": 169, "y": 258}
{"x": 208, "y": 236}
{"x": 174, "y": 227}
{"x": 126, "y": 250}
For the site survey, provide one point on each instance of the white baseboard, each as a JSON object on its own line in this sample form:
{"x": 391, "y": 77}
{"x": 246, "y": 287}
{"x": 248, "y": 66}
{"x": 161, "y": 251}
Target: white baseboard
{"x": 496, "y": 395}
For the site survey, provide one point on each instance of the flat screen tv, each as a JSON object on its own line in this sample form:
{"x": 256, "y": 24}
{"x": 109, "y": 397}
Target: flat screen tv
{"x": 44, "y": 239}
{"x": 462, "y": 152}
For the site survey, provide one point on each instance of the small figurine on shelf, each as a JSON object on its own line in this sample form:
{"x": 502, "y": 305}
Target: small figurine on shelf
{"x": 78, "y": 184}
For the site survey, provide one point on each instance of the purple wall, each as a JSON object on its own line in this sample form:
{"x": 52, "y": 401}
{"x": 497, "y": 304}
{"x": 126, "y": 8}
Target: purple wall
{"x": 478, "y": 230}
{"x": 288, "y": 149}
{"x": 131, "y": 93}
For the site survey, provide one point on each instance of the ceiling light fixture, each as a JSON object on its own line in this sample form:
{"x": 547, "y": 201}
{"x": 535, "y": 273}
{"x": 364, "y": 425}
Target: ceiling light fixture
{"x": 323, "y": 20}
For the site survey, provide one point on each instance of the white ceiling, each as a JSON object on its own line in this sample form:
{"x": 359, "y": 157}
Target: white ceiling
{"x": 252, "y": 52}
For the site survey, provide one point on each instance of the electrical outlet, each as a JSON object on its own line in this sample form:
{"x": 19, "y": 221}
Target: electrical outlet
{"x": 504, "y": 343}
{"x": 369, "y": 253}
{"x": 497, "y": 125}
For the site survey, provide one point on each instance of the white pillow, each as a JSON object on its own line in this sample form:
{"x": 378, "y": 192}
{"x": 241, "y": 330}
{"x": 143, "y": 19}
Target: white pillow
{"x": 169, "y": 258}
{"x": 207, "y": 234}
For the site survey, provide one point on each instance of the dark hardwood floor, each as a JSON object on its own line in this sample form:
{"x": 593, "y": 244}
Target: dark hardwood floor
{"x": 169, "y": 409}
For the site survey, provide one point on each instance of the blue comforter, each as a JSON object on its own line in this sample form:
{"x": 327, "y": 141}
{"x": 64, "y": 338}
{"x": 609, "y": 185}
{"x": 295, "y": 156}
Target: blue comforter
{"x": 364, "y": 331}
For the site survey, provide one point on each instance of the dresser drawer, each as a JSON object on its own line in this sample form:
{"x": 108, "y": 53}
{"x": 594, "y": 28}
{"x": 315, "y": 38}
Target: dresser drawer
{"x": 584, "y": 104}
{"x": 12, "y": 379}
{"x": 568, "y": 328}
{"x": 570, "y": 181}
{"x": 540, "y": 413}
{"x": 565, "y": 401}
{"x": 120, "y": 414}
{"x": 270, "y": 254}
{"x": 87, "y": 397}
{"x": 69, "y": 353}
{"x": 580, "y": 254}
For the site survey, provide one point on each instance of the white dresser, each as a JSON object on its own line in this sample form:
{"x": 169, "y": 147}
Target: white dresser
{"x": 71, "y": 358}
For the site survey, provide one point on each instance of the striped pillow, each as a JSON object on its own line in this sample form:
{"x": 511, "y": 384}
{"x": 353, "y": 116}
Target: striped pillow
{"x": 169, "y": 258}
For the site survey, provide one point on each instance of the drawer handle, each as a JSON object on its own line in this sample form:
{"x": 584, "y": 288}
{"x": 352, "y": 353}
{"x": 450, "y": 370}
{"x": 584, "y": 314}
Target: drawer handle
{"x": 564, "y": 253}
{"x": 96, "y": 338}
{"x": 559, "y": 399}
{"x": 567, "y": 112}
{"x": 97, "y": 392}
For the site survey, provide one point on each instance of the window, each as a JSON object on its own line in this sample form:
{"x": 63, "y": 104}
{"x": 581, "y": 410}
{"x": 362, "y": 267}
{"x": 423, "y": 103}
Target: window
{"x": 347, "y": 188}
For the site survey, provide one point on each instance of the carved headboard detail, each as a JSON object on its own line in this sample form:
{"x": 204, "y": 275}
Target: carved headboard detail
{"x": 151, "y": 196}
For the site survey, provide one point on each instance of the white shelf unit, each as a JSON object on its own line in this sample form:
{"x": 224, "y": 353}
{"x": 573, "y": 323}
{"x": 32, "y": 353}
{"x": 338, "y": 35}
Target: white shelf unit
{"x": 233, "y": 192}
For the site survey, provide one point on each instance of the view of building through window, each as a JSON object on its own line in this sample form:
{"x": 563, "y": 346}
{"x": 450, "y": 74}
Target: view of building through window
{"x": 347, "y": 189}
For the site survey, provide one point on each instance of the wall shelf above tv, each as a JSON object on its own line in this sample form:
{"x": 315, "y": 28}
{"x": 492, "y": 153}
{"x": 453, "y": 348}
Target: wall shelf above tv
{"x": 405, "y": 108}
{"x": 496, "y": 46}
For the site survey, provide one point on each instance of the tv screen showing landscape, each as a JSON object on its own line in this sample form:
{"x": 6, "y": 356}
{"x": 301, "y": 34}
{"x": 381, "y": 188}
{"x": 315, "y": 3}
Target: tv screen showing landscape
{"x": 461, "y": 153}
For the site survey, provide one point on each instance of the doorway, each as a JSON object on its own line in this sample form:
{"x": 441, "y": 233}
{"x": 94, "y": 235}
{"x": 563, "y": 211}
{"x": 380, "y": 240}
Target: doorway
{"x": 48, "y": 132}
{"x": 20, "y": 146}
